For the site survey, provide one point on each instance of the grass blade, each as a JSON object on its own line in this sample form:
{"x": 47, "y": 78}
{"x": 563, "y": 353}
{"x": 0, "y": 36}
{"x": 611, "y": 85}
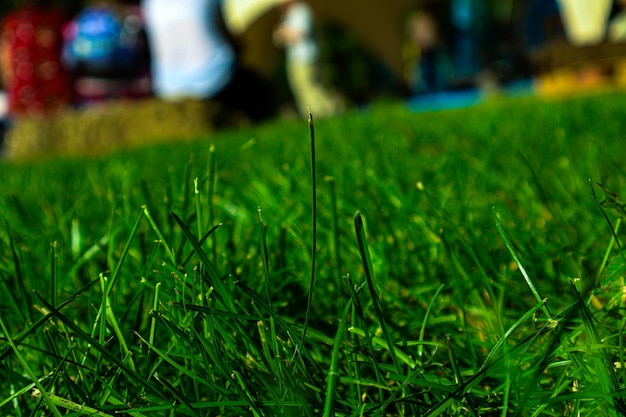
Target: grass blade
{"x": 53, "y": 273}
{"x": 215, "y": 280}
{"x": 104, "y": 351}
{"x": 156, "y": 229}
{"x": 529, "y": 282}
{"x": 264, "y": 255}
{"x": 371, "y": 285}
{"x": 314, "y": 231}
{"x": 333, "y": 372}
{"x": 44, "y": 394}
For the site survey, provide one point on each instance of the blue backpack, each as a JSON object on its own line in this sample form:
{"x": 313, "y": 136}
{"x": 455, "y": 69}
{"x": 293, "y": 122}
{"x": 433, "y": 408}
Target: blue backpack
{"x": 101, "y": 42}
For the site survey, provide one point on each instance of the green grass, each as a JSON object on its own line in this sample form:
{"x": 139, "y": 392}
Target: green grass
{"x": 466, "y": 263}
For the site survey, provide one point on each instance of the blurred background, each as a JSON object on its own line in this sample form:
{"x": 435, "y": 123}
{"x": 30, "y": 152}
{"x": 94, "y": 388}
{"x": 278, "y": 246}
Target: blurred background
{"x": 77, "y": 77}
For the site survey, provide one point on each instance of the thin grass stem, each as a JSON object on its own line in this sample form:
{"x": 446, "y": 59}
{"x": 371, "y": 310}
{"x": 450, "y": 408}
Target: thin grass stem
{"x": 53, "y": 273}
{"x": 211, "y": 196}
{"x": 264, "y": 255}
{"x": 314, "y": 231}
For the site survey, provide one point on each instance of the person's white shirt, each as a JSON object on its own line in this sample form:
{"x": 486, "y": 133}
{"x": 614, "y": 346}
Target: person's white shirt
{"x": 191, "y": 57}
{"x": 299, "y": 19}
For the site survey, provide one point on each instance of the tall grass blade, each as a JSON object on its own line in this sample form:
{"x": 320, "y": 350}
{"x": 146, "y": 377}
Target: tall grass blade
{"x": 420, "y": 348}
{"x": 113, "y": 322}
{"x": 211, "y": 195}
{"x": 265, "y": 256}
{"x": 53, "y": 273}
{"x": 196, "y": 193}
{"x": 336, "y": 238}
{"x": 371, "y": 285}
{"x": 518, "y": 262}
{"x": 333, "y": 373}
{"x": 369, "y": 339}
{"x": 313, "y": 230}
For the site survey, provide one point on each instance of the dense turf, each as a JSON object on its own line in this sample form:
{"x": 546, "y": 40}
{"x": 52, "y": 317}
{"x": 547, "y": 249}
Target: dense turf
{"x": 463, "y": 266}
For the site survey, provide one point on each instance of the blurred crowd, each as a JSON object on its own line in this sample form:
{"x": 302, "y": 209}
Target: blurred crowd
{"x": 51, "y": 60}
{"x": 171, "y": 50}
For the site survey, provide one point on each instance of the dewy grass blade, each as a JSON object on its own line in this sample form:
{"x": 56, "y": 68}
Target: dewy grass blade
{"x": 79, "y": 409}
{"x": 314, "y": 231}
{"x": 529, "y": 282}
{"x": 371, "y": 284}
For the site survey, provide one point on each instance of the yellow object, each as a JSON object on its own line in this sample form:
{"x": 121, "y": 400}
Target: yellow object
{"x": 308, "y": 91}
{"x": 240, "y": 14}
{"x": 585, "y": 20}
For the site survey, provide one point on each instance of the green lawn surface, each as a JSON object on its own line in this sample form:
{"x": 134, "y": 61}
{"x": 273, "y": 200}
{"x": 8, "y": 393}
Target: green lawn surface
{"x": 462, "y": 263}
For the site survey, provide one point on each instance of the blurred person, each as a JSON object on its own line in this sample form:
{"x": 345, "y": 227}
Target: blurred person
{"x": 30, "y": 53}
{"x": 446, "y": 48}
{"x": 542, "y": 24}
{"x": 617, "y": 25}
{"x": 295, "y": 32}
{"x": 428, "y": 63}
{"x": 468, "y": 19}
{"x": 194, "y": 57}
{"x": 4, "y": 120}
{"x": 107, "y": 53}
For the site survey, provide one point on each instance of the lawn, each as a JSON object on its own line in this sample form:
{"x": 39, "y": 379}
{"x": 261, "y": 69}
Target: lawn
{"x": 466, "y": 262}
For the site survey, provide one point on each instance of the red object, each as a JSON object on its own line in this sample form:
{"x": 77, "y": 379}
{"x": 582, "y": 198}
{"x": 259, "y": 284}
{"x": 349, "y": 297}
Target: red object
{"x": 33, "y": 76}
